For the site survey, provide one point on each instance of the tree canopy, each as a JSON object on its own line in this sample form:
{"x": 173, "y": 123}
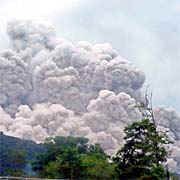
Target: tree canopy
{"x": 13, "y": 162}
{"x": 73, "y": 158}
{"x": 143, "y": 152}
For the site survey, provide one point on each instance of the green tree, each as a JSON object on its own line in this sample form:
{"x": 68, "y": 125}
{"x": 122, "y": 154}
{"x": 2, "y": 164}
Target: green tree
{"x": 73, "y": 158}
{"x": 97, "y": 167}
{"x": 61, "y": 153}
{"x": 67, "y": 164}
{"x": 15, "y": 162}
{"x": 143, "y": 152}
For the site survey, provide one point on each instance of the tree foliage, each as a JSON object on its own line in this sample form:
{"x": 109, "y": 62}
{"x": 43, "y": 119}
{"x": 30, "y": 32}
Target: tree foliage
{"x": 73, "y": 158}
{"x": 14, "y": 162}
{"x": 143, "y": 152}
{"x": 97, "y": 167}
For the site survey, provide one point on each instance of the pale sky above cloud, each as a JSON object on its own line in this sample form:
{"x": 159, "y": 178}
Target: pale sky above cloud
{"x": 145, "y": 32}
{"x": 34, "y": 9}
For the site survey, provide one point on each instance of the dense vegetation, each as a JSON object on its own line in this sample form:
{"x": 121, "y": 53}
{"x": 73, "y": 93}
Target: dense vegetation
{"x": 73, "y": 158}
{"x": 141, "y": 157}
{"x": 16, "y": 155}
{"x": 14, "y": 162}
{"x": 143, "y": 153}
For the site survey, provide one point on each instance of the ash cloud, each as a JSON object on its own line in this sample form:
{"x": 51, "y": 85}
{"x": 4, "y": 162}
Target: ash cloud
{"x": 50, "y": 86}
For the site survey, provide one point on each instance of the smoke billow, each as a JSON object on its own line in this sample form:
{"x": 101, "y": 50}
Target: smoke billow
{"x": 50, "y": 86}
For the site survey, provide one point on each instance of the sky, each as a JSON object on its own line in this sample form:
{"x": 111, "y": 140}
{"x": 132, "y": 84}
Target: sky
{"x": 145, "y": 32}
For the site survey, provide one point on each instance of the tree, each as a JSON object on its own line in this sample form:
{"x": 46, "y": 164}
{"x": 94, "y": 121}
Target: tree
{"x": 15, "y": 162}
{"x": 73, "y": 158}
{"x": 67, "y": 164}
{"x": 97, "y": 167}
{"x": 143, "y": 152}
{"x": 59, "y": 150}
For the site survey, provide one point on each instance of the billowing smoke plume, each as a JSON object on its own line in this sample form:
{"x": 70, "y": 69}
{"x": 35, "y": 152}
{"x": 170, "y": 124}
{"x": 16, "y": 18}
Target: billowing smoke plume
{"x": 26, "y": 34}
{"x": 14, "y": 80}
{"x": 168, "y": 120}
{"x": 50, "y": 86}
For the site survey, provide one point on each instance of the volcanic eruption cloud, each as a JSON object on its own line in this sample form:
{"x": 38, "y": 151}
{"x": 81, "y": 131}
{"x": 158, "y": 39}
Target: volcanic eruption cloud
{"x": 52, "y": 87}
